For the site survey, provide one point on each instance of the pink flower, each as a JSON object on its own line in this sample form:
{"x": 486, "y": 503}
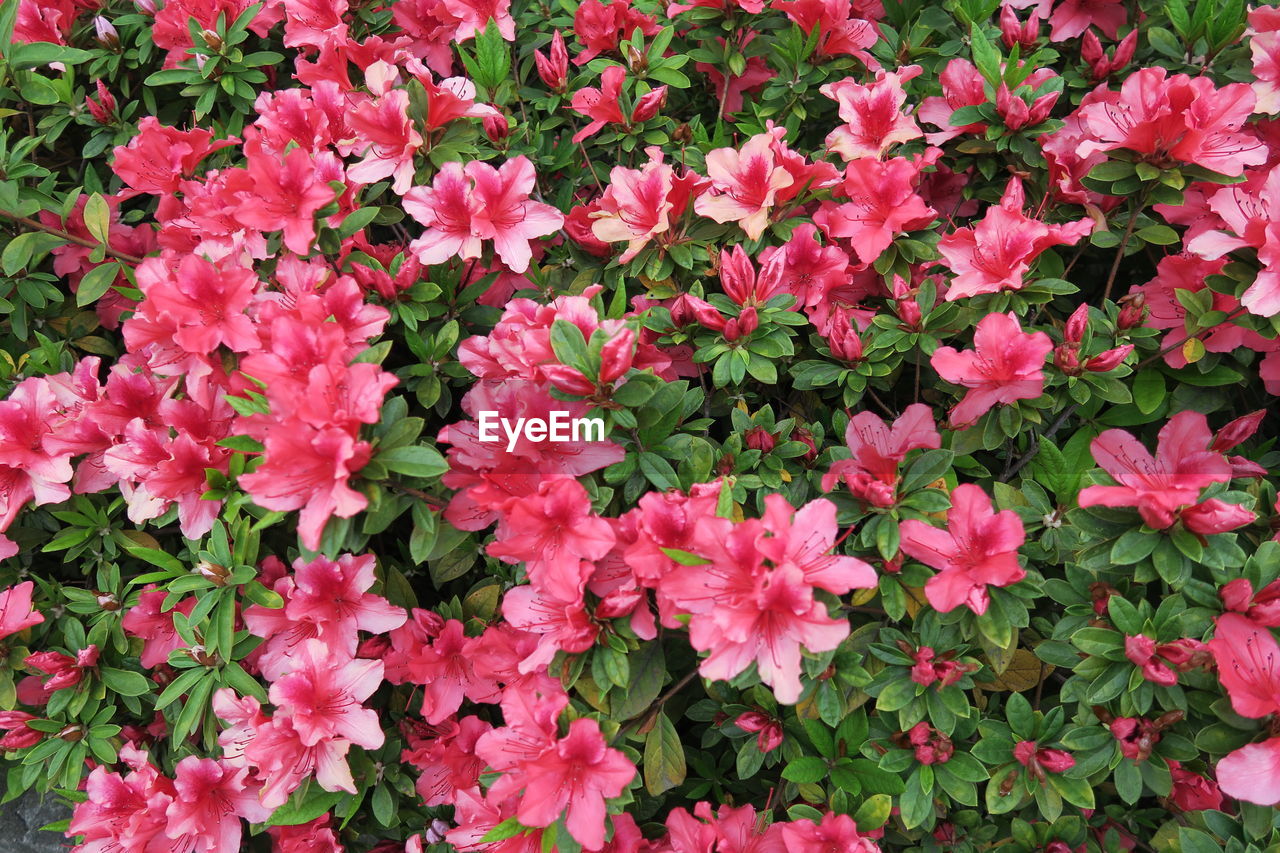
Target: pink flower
{"x": 996, "y": 253}
{"x": 755, "y": 601}
{"x": 209, "y": 800}
{"x": 873, "y": 114}
{"x": 1179, "y": 119}
{"x": 1004, "y": 366}
{"x": 962, "y": 86}
{"x": 642, "y": 204}
{"x": 574, "y": 778}
{"x": 16, "y": 612}
{"x": 1252, "y": 773}
{"x": 284, "y": 194}
{"x": 1161, "y": 663}
{"x": 467, "y": 205}
{"x": 1191, "y": 791}
{"x": 880, "y": 203}
{"x": 836, "y": 833}
{"x": 1248, "y": 665}
{"x": 204, "y": 301}
{"x": 978, "y": 549}
{"x": 322, "y": 693}
{"x": 878, "y": 449}
{"x": 307, "y": 468}
{"x": 155, "y": 626}
{"x": 744, "y": 184}
{"x": 1166, "y": 486}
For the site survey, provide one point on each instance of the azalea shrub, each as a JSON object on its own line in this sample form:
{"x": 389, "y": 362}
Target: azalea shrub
{"x": 741, "y": 426}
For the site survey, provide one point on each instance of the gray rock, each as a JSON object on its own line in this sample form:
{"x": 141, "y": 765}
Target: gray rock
{"x": 20, "y": 823}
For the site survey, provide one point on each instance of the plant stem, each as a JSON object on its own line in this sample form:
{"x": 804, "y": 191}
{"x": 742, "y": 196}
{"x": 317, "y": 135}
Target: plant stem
{"x": 36, "y": 225}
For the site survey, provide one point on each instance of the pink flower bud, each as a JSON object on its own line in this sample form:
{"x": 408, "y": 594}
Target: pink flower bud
{"x": 1109, "y": 360}
{"x": 1066, "y": 357}
{"x": 1124, "y": 51}
{"x": 554, "y": 69}
{"x": 649, "y": 105}
{"x": 1012, "y": 109}
{"x": 106, "y": 34}
{"x": 1237, "y": 431}
{"x": 497, "y": 128}
{"x": 1237, "y": 595}
{"x": 1133, "y": 308}
{"x": 1077, "y": 323}
{"x": 845, "y": 343}
{"x": 616, "y": 356}
{"x": 103, "y": 109}
{"x": 568, "y": 379}
{"x": 748, "y": 320}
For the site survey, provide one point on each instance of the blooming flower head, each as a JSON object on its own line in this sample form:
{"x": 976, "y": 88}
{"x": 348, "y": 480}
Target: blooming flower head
{"x": 1004, "y": 366}
{"x": 978, "y": 549}
{"x": 16, "y": 612}
{"x": 322, "y": 696}
{"x": 878, "y": 449}
{"x": 1166, "y": 487}
{"x": 873, "y": 114}
{"x": 744, "y": 184}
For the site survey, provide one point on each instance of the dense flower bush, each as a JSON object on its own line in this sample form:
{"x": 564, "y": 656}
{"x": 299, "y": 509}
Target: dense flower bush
{"x": 931, "y": 347}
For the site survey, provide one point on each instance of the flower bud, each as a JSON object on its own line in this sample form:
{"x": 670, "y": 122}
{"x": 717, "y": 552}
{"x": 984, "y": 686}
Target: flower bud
{"x": 497, "y": 128}
{"x": 616, "y": 356}
{"x": 748, "y": 320}
{"x": 553, "y": 69}
{"x": 1066, "y": 357}
{"x": 1109, "y": 360}
{"x": 105, "y": 33}
{"x": 1133, "y": 309}
{"x": 759, "y": 438}
{"x": 649, "y": 105}
{"x": 845, "y": 342}
{"x": 1077, "y": 324}
{"x": 103, "y": 109}
{"x": 1237, "y": 431}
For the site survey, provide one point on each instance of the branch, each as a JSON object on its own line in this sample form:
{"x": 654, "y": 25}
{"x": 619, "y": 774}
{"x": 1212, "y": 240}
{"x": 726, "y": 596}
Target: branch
{"x": 70, "y": 238}
{"x": 1013, "y": 469}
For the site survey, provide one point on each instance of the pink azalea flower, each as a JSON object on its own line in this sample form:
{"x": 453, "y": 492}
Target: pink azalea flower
{"x": 1005, "y": 365}
{"x": 836, "y": 833}
{"x": 1070, "y": 18}
{"x": 467, "y": 205}
{"x": 560, "y": 625}
{"x": 446, "y": 670}
{"x": 205, "y": 302}
{"x": 962, "y": 86}
{"x": 978, "y": 549}
{"x": 754, "y": 601}
{"x": 601, "y": 105}
{"x": 574, "y": 778}
{"x": 307, "y": 468}
{"x": 155, "y": 626}
{"x": 124, "y": 812}
{"x": 1249, "y": 668}
{"x": 284, "y": 194}
{"x": 996, "y": 253}
{"x": 1166, "y": 486}
{"x": 642, "y": 204}
{"x": 16, "y": 612}
{"x": 881, "y": 203}
{"x": 1179, "y": 119}
{"x": 552, "y": 532}
{"x": 1264, "y": 44}
{"x": 283, "y": 762}
{"x": 873, "y": 114}
{"x": 383, "y": 132}
{"x": 744, "y": 185}
{"x": 322, "y": 693}
{"x": 878, "y": 449}
{"x": 209, "y": 800}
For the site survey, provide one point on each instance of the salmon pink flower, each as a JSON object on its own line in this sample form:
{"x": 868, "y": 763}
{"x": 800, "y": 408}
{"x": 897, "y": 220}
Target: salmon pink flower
{"x": 210, "y": 798}
{"x": 744, "y": 184}
{"x": 205, "y": 301}
{"x": 836, "y": 833}
{"x": 467, "y": 205}
{"x": 1005, "y": 365}
{"x": 322, "y": 694}
{"x": 1170, "y": 120}
{"x": 602, "y": 26}
{"x": 1249, "y": 668}
{"x": 873, "y": 115}
{"x": 978, "y": 549}
{"x": 16, "y": 612}
{"x": 878, "y": 449}
{"x": 308, "y": 468}
{"x": 642, "y": 204}
{"x": 574, "y": 778}
{"x": 880, "y": 202}
{"x": 283, "y": 194}
{"x": 1166, "y": 486}
{"x": 962, "y": 86}
{"x": 996, "y": 253}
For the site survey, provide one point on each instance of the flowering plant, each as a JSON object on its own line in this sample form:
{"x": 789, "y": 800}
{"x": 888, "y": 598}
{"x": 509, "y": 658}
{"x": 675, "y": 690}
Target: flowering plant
{"x": 735, "y": 426}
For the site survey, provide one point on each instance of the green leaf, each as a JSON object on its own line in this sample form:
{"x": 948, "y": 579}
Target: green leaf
{"x": 305, "y": 805}
{"x": 414, "y": 461}
{"x": 805, "y": 769}
{"x": 97, "y": 218}
{"x": 36, "y": 53}
{"x": 648, "y": 668}
{"x": 931, "y": 466}
{"x": 96, "y": 282}
{"x": 124, "y": 682}
{"x": 664, "y": 762}
{"x": 1078, "y": 792}
{"x": 658, "y": 471}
